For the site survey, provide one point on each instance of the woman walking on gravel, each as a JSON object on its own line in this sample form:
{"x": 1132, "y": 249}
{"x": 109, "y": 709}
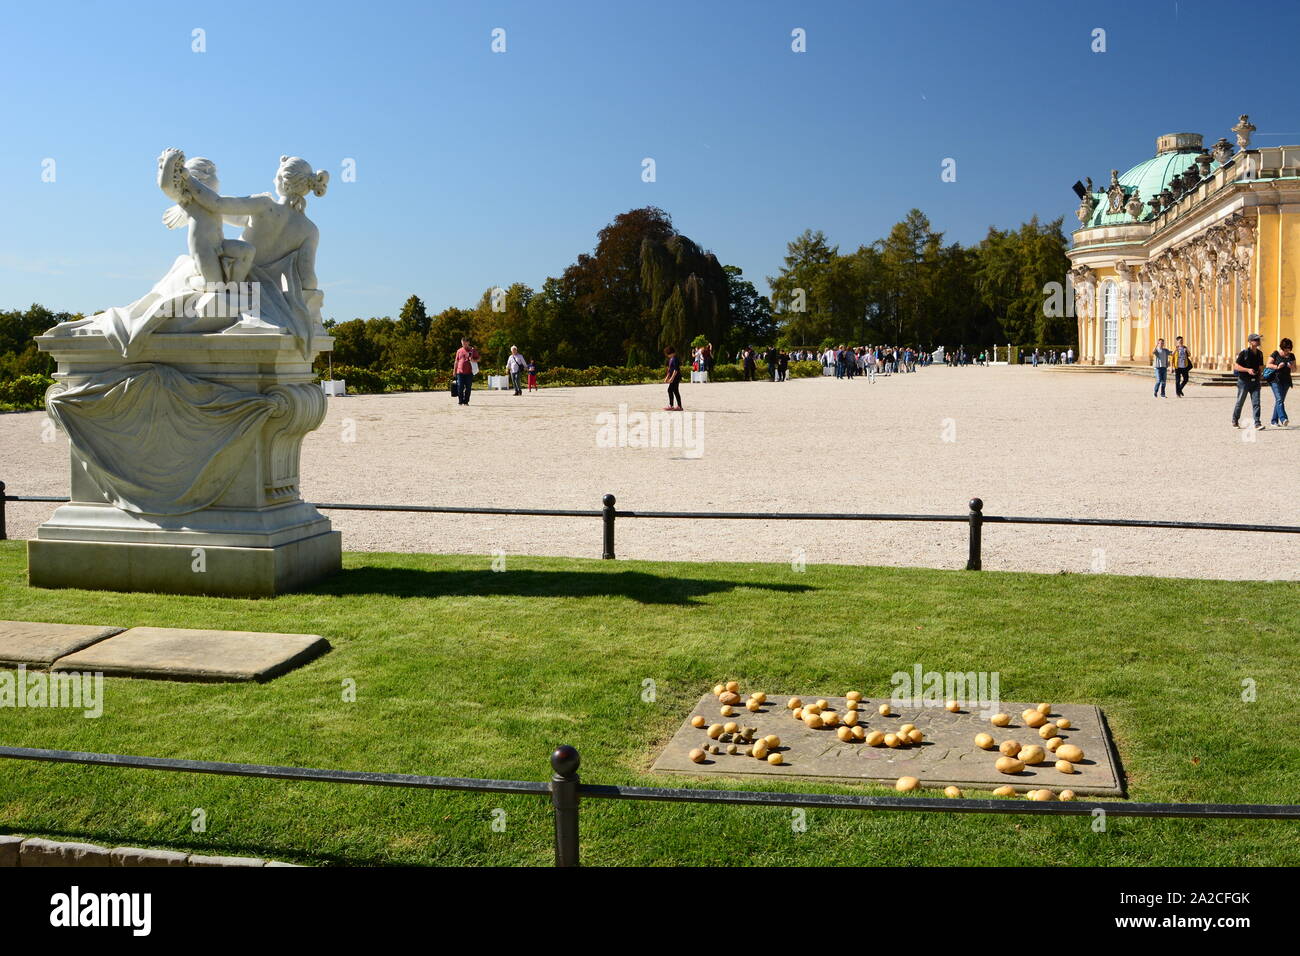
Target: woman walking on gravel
{"x": 673, "y": 379}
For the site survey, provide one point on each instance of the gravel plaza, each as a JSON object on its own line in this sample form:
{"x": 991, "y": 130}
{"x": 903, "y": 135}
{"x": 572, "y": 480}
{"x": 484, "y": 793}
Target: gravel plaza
{"x": 1033, "y": 442}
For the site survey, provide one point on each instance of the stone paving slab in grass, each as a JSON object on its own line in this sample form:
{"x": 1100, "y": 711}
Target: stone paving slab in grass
{"x": 40, "y": 645}
{"x": 948, "y": 754}
{"x": 169, "y": 653}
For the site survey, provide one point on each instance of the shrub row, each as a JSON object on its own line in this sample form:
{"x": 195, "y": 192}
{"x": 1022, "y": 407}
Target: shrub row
{"x": 405, "y": 379}
{"x": 25, "y": 393}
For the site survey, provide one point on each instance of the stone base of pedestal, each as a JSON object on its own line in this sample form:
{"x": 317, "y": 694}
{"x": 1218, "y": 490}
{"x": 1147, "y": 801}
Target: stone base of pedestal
{"x": 184, "y": 568}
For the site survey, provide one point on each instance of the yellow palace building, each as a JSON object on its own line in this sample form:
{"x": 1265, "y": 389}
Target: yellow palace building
{"x": 1202, "y": 243}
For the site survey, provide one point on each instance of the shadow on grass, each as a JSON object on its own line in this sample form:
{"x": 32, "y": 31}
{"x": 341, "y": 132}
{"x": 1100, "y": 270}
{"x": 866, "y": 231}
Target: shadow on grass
{"x": 634, "y": 585}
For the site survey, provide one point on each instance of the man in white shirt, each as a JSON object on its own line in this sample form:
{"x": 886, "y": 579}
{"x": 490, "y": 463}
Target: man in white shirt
{"x": 516, "y": 365}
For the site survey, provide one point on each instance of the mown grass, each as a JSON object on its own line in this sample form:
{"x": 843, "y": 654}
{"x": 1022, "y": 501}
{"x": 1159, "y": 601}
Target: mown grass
{"x": 463, "y": 671}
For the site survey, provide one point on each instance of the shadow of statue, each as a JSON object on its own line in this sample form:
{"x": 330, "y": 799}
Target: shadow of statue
{"x": 639, "y": 586}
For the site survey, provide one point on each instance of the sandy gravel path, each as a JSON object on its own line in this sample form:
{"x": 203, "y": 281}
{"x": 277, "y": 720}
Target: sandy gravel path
{"x": 1028, "y": 441}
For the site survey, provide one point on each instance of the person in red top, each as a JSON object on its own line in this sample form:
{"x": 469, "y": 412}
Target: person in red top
{"x": 463, "y": 367}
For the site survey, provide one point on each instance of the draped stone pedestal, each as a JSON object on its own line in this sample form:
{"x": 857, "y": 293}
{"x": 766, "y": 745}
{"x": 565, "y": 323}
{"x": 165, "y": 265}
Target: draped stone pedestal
{"x": 184, "y": 465}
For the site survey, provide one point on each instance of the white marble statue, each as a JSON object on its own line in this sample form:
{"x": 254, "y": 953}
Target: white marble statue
{"x": 153, "y": 436}
{"x": 264, "y": 282}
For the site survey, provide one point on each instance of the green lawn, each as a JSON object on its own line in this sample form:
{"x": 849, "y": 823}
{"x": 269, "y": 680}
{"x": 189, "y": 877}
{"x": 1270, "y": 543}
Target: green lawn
{"x": 466, "y": 672}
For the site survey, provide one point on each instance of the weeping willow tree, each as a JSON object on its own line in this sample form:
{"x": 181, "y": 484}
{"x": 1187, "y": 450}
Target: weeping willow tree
{"x": 685, "y": 291}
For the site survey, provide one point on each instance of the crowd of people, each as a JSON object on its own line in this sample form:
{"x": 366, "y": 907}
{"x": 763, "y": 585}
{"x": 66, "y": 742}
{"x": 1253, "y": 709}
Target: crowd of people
{"x": 1036, "y": 357}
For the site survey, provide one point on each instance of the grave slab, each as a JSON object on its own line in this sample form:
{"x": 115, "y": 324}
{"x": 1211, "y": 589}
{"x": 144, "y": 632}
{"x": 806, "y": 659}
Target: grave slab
{"x": 40, "y": 645}
{"x": 947, "y": 756}
{"x": 196, "y": 655}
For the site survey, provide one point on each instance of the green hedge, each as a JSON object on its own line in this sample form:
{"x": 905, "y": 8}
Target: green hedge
{"x": 25, "y": 393}
{"x": 405, "y": 379}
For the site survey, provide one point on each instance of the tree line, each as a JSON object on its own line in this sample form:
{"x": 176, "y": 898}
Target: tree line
{"x": 646, "y": 286}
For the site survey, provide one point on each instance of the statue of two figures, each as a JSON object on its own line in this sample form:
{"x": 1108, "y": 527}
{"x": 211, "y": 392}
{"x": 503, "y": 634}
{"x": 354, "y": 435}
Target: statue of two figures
{"x": 263, "y": 282}
{"x": 186, "y": 409}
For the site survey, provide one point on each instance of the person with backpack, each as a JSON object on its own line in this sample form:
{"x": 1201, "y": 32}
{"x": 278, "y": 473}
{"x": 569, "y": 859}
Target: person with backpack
{"x": 1249, "y": 363}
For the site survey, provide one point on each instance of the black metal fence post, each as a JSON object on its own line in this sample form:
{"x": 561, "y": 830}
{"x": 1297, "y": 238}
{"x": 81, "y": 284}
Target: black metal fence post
{"x": 4, "y": 534}
{"x": 564, "y": 796}
{"x": 608, "y": 518}
{"x": 973, "y": 562}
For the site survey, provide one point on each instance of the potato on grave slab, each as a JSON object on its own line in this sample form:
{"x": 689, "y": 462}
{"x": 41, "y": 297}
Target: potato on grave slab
{"x": 985, "y": 741}
{"x": 1000, "y": 720}
{"x": 1032, "y": 754}
{"x": 697, "y": 755}
{"x": 1069, "y": 752}
{"x": 906, "y": 784}
{"x": 1009, "y": 765}
{"x": 1009, "y": 748}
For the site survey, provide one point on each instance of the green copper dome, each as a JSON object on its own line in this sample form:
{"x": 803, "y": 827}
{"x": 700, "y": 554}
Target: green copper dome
{"x": 1148, "y": 178}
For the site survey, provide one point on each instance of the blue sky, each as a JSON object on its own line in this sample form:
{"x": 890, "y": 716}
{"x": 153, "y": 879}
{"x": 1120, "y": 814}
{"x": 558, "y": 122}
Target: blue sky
{"x": 476, "y": 168}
